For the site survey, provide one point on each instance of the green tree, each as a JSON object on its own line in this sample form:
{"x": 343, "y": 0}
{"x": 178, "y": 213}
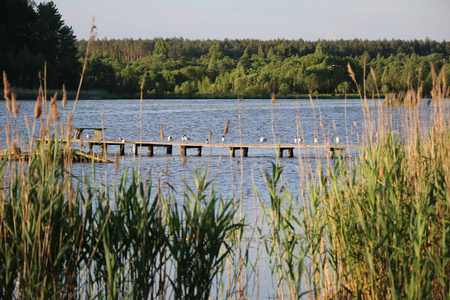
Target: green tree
{"x": 56, "y": 41}
{"x": 161, "y": 49}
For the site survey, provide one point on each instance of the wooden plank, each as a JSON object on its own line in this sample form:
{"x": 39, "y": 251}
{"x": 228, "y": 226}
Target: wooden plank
{"x": 280, "y": 148}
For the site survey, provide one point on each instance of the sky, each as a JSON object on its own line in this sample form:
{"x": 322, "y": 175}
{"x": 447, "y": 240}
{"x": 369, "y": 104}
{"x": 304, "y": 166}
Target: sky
{"x": 309, "y": 20}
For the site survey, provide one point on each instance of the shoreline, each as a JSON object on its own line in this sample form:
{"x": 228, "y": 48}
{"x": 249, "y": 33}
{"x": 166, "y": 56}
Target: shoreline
{"x": 29, "y": 94}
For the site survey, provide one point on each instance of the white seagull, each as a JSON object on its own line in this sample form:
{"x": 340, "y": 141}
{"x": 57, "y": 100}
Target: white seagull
{"x": 169, "y": 138}
{"x": 223, "y": 138}
{"x": 122, "y": 140}
{"x": 207, "y": 141}
{"x": 88, "y": 136}
{"x": 337, "y": 140}
{"x": 298, "y": 140}
{"x": 316, "y": 140}
{"x": 263, "y": 139}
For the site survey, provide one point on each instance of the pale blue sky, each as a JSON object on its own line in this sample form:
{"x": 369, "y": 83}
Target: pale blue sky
{"x": 260, "y": 19}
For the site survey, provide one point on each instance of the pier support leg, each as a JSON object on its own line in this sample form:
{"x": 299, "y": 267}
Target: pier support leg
{"x": 182, "y": 150}
{"x": 135, "y": 149}
{"x": 280, "y": 152}
{"x": 169, "y": 149}
{"x": 122, "y": 150}
{"x": 291, "y": 152}
{"x": 199, "y": 151}
{"x": 332, "y": 152}
{"x": 150, "y": 150}
{"x": 232, "y": 151}
{"x": 244, "y": 152}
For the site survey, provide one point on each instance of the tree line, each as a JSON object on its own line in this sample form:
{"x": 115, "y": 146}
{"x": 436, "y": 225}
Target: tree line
{"x": 35, "y": 35}
{"x": 32, "y": 36}
{"x": 178, "y": 66}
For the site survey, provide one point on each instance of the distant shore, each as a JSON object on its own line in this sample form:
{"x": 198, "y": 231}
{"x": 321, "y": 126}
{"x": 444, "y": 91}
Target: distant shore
{"x": 31, "y": 94}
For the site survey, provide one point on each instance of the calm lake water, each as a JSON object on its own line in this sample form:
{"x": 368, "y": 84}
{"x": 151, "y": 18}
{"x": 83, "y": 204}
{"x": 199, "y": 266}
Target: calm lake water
{"x": 249, "y": 121}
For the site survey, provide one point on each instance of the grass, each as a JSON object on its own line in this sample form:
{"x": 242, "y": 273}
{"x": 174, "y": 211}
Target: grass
{"x": 373, "y": 225}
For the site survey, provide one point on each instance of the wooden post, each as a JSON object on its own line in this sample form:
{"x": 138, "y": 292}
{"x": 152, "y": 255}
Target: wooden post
{"x": 280, "y": 152}
{"x": 105, "y": 149}
{"x": 182, "y": 150}
{"x": 199, "y": 151}
{"x": 169, "y": 149}
{"x": 98, "y": 134}
{"x": 245, "y": 152}
{"x": 122, "y": 150}
{"x": 135, "y": 149}
{"x": 291, "y": 152}
{"x": 78, "y": 133}
{"x": 332, "y": 152}
{"x": 150, "y": 150}
{"x": 232, "y": 151}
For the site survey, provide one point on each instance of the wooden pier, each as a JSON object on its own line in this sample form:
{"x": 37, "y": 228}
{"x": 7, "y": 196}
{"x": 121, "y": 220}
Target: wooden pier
{"x": 184, "y": 146}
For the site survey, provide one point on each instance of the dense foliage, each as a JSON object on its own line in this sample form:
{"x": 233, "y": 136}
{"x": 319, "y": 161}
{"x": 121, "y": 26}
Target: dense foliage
{"x": 260, "y": 68}
{"x": 31, "y": 35}
{"x": 34, "y": 34}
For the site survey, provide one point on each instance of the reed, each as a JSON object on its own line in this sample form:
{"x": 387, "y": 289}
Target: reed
{"x": 372, "y": 226}
{"x": 199, "y": 238}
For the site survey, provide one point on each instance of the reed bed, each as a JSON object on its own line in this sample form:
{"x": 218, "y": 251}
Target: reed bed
{"x": 374, "y": 225}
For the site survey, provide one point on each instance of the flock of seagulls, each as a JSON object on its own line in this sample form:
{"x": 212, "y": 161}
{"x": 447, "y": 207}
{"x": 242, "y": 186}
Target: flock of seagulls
{"x": 263, "y": 139}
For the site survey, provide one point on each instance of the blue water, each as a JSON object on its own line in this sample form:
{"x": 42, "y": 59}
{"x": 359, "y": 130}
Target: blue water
{"x": 238, "y": 177}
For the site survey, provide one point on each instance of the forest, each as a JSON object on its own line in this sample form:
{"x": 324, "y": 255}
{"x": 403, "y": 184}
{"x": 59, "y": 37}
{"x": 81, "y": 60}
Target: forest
{"x": 223, "y": 68}
{"x": 36, "y": 36}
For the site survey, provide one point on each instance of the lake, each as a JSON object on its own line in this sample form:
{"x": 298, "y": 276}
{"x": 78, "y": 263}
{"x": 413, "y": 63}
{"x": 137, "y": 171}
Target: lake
{"x": 238, "y": 177}
{"x": 249, "y": 121}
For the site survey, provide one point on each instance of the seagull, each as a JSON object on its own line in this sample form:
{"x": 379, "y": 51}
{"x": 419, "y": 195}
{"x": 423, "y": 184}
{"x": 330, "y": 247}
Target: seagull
{"x": 183, "y": 137}
{"x": 298, "y": 140}
{"x": 223, "y": 138}
{"x": 207, "y": 141}
{"x": 122, "y": 140}
{"x": 187, "y": 138}
{"x": 263, "y": 139}
{"x": 169, "y": 138}
{"x": 88, "y": 136}
{"x": 316, "y": 140}
{"x": 337, "y": 140}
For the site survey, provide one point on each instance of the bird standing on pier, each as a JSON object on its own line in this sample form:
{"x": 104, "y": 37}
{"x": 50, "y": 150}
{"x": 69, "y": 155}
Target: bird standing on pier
{"x": 298, "y": 140}
{"x": 88, "y": 136}
{"x": 223, "y": 139}
{"x": 337, "y": 140}
{"x": 169, "y": 138}
{"x": 122, "y": 140}
{"x": 263, "y": 139}
{"x": 187, "y": 138}
{"x": 316, "y": 140}
{"x": 183, "y": 137}
{"x": 207, "y": 141}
